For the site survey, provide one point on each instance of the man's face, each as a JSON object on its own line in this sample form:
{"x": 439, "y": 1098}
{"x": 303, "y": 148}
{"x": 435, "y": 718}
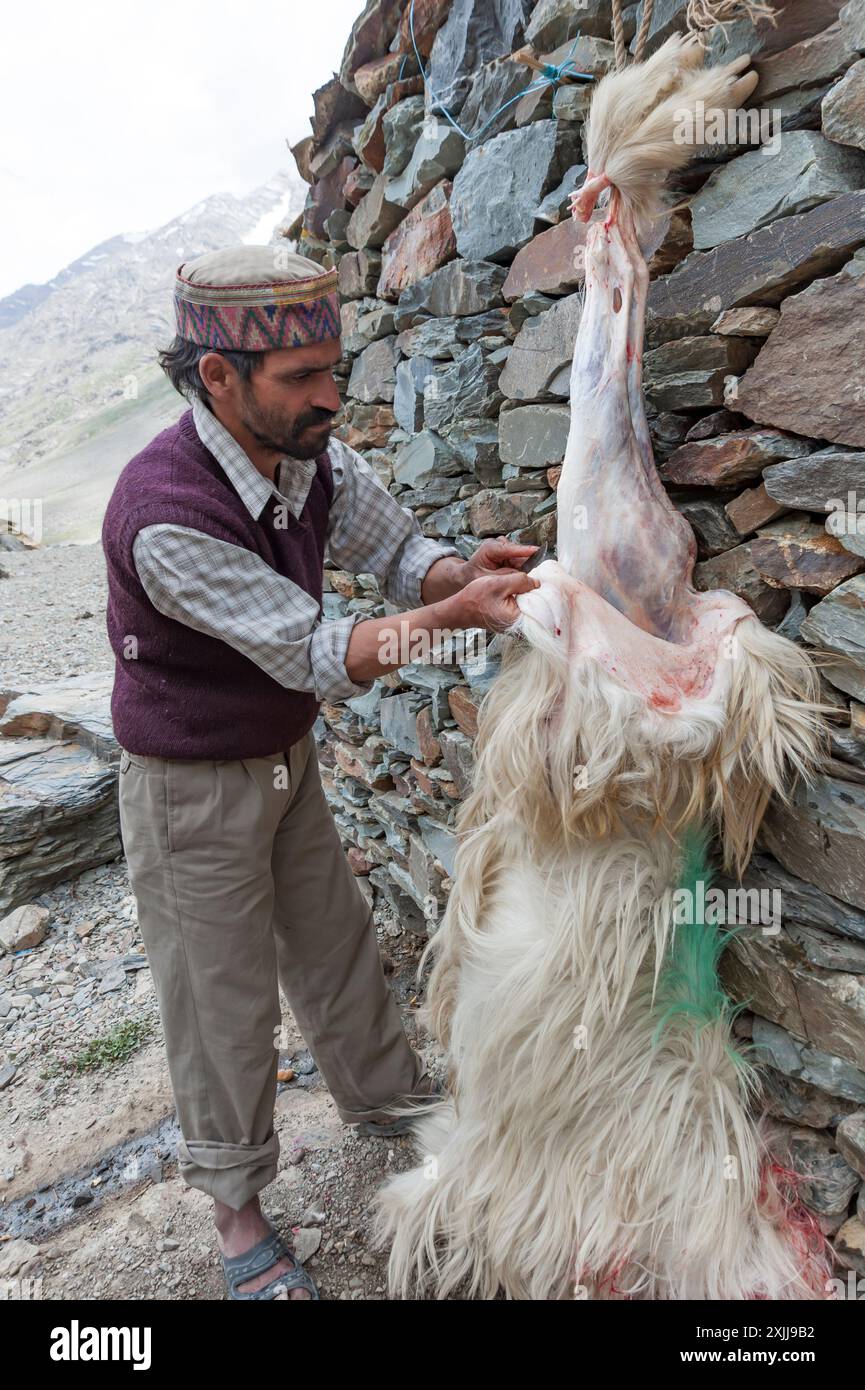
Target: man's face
{"x": 290, "y": 401}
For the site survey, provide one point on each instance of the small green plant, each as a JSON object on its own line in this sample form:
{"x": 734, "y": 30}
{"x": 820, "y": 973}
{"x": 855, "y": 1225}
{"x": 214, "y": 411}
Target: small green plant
{"x": 108, "y": 1051}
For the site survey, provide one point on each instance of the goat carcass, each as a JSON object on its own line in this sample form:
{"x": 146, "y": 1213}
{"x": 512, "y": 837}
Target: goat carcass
{"x": 600, "y": 1137}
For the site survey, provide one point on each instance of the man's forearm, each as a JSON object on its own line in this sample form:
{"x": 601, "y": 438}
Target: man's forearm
{"x": 444, "y": 578}
{"x": 455, "y": 597}
{"x": 377, "y": 637}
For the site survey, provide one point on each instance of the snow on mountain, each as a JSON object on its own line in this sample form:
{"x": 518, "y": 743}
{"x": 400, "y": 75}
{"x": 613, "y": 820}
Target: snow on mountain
{"x": 270, "y": 221}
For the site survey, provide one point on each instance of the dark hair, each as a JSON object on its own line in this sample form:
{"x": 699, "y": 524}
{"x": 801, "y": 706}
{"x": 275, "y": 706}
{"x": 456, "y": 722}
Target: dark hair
{"x": 180, "y": 364}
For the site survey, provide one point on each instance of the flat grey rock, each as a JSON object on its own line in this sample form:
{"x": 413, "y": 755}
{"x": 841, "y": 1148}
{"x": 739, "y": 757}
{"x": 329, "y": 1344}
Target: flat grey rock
{"x": 497, "y": 191}
{"x": 59, "y": 815}
{"x": 812, "y": 483}
{"x": 76, "y": 708}
{"x": 543, "y": 347}
{"x": 534, "y": 436}
{"x": 460, "y": 288}
{"x": 759, "y": 187}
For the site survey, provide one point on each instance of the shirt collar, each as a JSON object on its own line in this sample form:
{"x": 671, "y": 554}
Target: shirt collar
{"x": 254, "y": 490}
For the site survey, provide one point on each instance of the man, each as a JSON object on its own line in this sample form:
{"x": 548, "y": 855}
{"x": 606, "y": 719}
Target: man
{"x": 215, "y": 537}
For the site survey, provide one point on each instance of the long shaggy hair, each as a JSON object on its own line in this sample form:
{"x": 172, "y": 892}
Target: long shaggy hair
{"x": 578, "y": 1155}
{"x": 631, "y": 131}
{"x": 599, "y": 1140}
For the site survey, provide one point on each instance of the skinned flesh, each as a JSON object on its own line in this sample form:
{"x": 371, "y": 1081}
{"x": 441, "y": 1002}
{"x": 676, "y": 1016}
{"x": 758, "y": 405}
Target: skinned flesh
{"x": 621, "y": 588}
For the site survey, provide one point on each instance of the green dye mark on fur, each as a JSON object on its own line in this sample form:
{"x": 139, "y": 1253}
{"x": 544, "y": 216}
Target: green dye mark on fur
{"x": 689, "y": 987}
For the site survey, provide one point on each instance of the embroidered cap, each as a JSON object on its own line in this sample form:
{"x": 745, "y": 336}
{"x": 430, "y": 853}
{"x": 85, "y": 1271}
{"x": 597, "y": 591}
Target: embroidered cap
{"x": 255, "y": 298}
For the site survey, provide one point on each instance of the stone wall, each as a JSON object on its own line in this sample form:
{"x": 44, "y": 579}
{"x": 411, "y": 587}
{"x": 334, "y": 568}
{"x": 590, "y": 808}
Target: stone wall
{"x": 459, "y": 274}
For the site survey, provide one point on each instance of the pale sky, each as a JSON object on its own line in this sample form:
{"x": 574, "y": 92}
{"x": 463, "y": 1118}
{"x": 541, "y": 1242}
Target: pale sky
{"x": 116, "y": 117}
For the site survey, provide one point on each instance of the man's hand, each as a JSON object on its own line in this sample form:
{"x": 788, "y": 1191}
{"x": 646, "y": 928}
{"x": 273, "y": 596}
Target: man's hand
{"x": 494, "y": 556}
{"x": 490, "y": 602}
{"x": 447, "y": 576}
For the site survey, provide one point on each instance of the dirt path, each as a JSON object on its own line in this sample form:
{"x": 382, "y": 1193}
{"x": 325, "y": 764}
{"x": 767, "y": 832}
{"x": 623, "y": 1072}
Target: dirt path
{"x": 154, "y": 1239}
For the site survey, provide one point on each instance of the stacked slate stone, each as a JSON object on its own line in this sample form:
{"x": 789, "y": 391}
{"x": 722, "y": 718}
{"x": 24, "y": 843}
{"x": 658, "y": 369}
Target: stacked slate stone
{"x": 459, "y": 275}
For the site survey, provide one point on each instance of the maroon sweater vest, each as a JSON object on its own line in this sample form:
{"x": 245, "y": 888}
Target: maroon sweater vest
{"x": 179, "y": 693}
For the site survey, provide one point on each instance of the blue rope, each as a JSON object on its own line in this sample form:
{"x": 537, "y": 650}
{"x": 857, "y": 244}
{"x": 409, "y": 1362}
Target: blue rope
{"x": 551, "y": 73}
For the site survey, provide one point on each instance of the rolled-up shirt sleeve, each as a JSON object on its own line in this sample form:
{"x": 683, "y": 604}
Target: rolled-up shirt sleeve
{"x": 328, "y": 646}
{"x": 369, "y": 532}
{"x": 230, "y": 593}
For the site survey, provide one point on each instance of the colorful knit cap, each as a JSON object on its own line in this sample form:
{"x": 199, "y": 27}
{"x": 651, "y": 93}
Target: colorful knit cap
{"x": 255, "y": 298}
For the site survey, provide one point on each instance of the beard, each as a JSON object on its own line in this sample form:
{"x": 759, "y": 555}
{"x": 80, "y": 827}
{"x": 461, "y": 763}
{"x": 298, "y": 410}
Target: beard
{"x": 302, "y": 437}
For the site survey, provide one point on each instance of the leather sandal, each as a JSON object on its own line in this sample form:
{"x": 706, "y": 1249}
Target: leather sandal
{"x": 239, "y": 1268}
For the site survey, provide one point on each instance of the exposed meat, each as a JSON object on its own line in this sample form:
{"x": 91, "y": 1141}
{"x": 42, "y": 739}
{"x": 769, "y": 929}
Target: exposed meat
{"x": 622, "y": 546}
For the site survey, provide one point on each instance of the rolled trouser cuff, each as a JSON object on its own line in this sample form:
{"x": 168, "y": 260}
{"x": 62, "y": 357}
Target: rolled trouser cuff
{"x": 230, "y": 1173}
{"x": 386, "y": 1110}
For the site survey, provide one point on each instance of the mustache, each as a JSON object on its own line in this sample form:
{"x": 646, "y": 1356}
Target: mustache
{"x": 324, "y": 417}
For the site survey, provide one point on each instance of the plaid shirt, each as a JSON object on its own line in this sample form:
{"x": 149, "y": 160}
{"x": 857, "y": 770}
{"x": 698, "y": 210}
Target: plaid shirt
{"x": 232, "y": 594}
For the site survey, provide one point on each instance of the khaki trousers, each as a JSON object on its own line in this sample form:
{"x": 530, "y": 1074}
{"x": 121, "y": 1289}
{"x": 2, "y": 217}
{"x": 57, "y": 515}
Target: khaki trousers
{"x": 242, "y": 884}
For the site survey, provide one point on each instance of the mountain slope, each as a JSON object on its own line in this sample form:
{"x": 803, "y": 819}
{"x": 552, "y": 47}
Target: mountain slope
{"x": 86, "y": 342}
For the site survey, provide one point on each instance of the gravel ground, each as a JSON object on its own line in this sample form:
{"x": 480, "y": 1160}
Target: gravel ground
{"x": 52, "y": 614}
